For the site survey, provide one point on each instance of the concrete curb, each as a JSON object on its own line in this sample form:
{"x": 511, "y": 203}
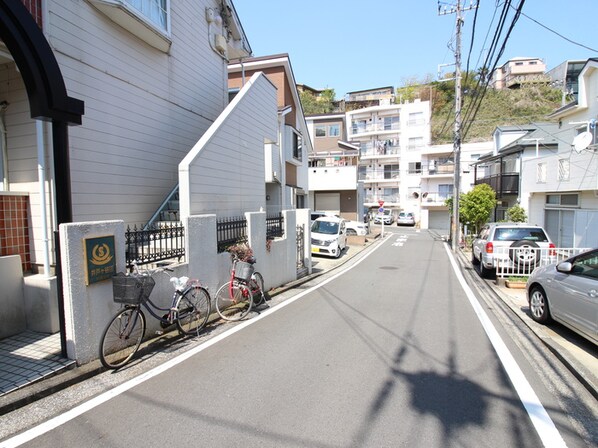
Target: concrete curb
{"x": 578, "y": 369}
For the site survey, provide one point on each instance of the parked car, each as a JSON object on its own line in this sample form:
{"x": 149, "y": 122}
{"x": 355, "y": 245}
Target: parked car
{"x": 357, "y": 228}
{"x": 328, "y": 236}
{"x": 387, "y": 217}
{"x": 406, "y": 219}
{"x": 567, "y": 292}
{"x": 524, "y": 239}
{"x": 317, "y": 214}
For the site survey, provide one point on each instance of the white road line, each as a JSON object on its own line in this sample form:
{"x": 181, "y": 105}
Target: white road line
{"x": 61, "y": 419}
{"x": 542, "y": 422}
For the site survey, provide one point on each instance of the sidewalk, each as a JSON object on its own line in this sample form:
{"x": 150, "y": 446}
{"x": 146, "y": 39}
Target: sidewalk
{"x": 579, "y": 357}
{"x": 580, "y": 361}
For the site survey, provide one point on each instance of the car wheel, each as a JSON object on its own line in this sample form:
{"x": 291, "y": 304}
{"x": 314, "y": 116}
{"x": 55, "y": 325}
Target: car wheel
{"x": 538, "y": 305}
{"x": 524, "y": 253}
{"x": 485, "y": 272}
{"x": 474, "y": 260}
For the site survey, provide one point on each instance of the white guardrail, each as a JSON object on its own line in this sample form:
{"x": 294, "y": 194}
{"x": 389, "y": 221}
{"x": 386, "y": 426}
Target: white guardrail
{"x": 521, "y": 261}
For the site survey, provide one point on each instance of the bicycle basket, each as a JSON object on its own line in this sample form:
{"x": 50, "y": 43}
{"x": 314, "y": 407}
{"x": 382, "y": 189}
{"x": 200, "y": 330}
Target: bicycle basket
{"x": 132, "y": 289}
{"x": 243, "y": 271}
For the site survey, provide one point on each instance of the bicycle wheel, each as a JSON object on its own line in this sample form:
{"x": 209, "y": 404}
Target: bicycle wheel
{"x": 256, "y": 284}
{"x": 193, "y": 310}
{"x": 233, "y": 302}
{"x": 122, "y": 337}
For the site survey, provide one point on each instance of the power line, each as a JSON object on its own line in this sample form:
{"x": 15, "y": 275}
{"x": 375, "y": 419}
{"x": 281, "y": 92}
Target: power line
{"x": 558, "y": 34}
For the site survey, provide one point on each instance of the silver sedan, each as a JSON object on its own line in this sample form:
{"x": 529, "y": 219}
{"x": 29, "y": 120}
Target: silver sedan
{"x": 567, "y": 292}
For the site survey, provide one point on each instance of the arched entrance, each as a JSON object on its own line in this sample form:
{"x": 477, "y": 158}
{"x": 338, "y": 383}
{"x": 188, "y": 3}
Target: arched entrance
{"x": 48, "y": 100}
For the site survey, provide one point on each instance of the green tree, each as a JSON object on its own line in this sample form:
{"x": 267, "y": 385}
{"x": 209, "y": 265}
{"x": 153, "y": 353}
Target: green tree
{"x": 321, "y": 104}
{"x": 516, "y": 214}
{"x": 476, "y": 206}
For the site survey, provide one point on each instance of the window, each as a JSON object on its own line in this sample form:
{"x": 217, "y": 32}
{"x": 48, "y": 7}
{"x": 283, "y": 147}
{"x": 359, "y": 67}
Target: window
{"x": 320, "y": 131}
{"x": 416, "y": 142}
{"x": 334, "y": 130}
{"x": 297, "y": 146}
{"x": 149, "y": 20}
{"x": 391, "y": 123}
{"x": 564, "y": 169}
{"x": 416, "y": 118}
{"x": 153, "y": 10}
{"x": 563, "y": 200}
{"x": 391, "y": 171}
{"x": 541, "y": 173}
{"x": 359, "y": 126}
{"x": 445, "y": 191}
{"x": 415, "y": 167}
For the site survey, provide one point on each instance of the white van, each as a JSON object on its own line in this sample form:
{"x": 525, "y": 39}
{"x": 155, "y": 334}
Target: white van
{"x": 328, "y": 236}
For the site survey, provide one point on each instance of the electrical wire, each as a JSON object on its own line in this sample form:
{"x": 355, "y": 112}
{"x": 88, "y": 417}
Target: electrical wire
{"x": 558, "y": 34}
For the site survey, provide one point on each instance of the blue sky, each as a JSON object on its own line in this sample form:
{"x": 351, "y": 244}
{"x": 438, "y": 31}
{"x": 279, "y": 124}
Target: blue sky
{"x": 353, "y": 45}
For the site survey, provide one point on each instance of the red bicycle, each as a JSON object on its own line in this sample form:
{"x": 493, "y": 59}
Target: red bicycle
{"x": 244, "y": 290}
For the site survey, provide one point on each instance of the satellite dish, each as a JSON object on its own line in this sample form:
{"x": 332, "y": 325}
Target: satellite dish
{"x": 582, "y": 141}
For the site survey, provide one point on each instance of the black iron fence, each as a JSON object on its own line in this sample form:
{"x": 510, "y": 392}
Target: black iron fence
{"x": 161, "y": 242}
{"x": 230, "y": 231}
{"x": 274, "y": 226}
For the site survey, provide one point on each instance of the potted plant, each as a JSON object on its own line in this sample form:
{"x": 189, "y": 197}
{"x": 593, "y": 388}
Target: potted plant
{"x": 516, "y": 282}
{"x": 241, "y": 250}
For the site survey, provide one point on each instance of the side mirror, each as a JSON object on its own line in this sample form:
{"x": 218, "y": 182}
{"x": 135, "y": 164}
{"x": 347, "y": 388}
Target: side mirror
{"x": 565, "y": 267}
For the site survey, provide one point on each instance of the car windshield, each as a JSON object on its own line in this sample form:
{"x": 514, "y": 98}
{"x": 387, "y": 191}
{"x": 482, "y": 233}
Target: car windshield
{"x": 520, "y": 233}
{"x": 325, "y": 227}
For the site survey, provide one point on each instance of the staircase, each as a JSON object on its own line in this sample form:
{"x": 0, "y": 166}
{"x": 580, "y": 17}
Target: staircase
{"x": 169, "y": 210}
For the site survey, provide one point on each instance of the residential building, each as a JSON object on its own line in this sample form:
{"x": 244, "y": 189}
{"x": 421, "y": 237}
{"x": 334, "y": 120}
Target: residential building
{"x": 149, "y": 115}
{"x": 438, "y": 179}
{"x": 360, "y": 99}
{"x": 561, "y": 187}
{"x": 565, "y": 77}
{"x": 391, "y": 138}
{"x": 287, "y": 159}
{"x": 333, "y": 185}
{"x": 519, "y": 71}
{"x": 148, "y": 94}
{"x": 501, "y": 168}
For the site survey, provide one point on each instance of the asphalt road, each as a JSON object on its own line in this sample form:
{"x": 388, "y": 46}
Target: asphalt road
{"x": 388, "y": 350}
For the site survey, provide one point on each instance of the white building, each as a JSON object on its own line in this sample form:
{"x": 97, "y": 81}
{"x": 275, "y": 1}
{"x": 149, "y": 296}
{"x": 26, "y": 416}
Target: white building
{"x": 391, "y": 139}
{"x": 562, "y": 188}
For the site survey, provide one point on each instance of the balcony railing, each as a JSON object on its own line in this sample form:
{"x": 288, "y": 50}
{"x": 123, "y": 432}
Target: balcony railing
{"x": 502, "y": 184}
{"x": 435, "y": 197}
{"x": 388, "y": 198}
{"x": 380, "y": 151}
{"x": 375, "y": 127}
{"x": 379, "y": 176}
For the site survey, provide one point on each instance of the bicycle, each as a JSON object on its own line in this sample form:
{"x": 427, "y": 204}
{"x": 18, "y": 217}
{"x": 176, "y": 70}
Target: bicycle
{"x": 235, "y": 299}
{"x": 189, "y": 309}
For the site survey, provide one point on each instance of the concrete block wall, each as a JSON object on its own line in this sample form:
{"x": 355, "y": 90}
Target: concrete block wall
{"x": 13, "y": 319}
{"x": 89, "y": 308}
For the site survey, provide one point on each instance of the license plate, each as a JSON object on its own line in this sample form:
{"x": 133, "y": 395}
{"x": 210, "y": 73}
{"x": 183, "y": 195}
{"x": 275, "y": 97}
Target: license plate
{"x": 315, "y": 249}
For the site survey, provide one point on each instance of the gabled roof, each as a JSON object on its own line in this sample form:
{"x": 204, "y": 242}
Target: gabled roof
{"x": 277, "y": 60}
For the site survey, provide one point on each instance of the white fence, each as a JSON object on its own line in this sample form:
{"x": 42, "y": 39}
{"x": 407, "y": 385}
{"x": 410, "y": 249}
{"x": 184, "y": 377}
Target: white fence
{"x": 521, "y": 261}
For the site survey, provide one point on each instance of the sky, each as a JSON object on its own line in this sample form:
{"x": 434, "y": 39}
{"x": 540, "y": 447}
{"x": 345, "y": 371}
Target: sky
{"x": 351, "y": 45}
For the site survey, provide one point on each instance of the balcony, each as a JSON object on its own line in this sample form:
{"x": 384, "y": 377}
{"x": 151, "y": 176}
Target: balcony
{"x": 505, "y": 184}
{"x": 374, "y": 151}
{"x": 435, "y": 199}
{"x": 389, "y": 200}
{"x": 380, "y": 176}
{"x": 438, "y": 168}
{"x": 374, "y": 128}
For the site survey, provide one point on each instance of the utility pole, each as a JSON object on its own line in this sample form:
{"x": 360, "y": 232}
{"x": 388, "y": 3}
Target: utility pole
{"x": 455, "y": 228}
